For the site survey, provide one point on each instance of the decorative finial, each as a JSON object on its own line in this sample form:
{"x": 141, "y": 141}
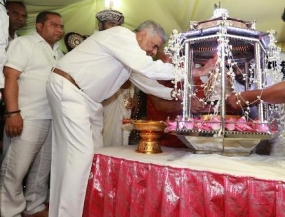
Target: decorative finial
{"x": 217, "y": 6}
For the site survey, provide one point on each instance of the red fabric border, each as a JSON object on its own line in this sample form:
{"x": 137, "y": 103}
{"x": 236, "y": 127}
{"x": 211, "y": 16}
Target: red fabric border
{"x": 120, "y": 187}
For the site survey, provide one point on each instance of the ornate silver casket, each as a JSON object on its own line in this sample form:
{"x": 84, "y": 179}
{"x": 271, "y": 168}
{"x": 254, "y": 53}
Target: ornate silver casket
{"x": 237, "y": 45}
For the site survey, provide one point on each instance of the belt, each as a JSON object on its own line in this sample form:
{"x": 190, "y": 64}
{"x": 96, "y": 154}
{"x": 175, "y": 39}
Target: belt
{"x": 66, "y": 76}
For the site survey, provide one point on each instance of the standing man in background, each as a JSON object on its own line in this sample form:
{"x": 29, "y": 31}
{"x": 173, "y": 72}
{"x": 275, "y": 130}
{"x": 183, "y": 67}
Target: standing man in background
{"x": 109, "y": 18}
{"x": 28, "y": 116}
{"x": 34, "y": 187}
{"x": 17, "y": 20}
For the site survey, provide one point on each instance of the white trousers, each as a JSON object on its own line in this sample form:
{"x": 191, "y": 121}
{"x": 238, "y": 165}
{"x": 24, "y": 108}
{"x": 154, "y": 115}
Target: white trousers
{"x": 77, "y": 130}
{"x": 21, "y": 154}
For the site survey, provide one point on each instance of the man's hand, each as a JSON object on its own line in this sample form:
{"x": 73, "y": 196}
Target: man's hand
{"x": 232, "y": 102}
{"x": 196, "y": 105}
{"x": 206, "y": 69}
{"x": 14, "y": 125}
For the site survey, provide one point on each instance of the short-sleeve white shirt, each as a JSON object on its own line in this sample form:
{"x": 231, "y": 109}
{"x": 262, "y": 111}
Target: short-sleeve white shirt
{"x": 34, "y": 58}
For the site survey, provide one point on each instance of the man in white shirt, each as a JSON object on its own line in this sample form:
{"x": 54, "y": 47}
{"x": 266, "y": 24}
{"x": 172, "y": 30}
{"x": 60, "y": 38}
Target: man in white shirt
{"x": 86, "y": 76}
{"x": 17, "y": 20}
{"x": 28, "y": 116}
{"x": 35, "y": 190}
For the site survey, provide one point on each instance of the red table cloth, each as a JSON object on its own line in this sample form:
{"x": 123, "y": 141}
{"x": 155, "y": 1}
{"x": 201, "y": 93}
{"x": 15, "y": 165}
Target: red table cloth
{"x": 124, "y": 187}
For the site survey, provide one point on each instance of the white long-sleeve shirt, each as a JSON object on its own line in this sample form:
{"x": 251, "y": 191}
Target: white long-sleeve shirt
{"x": 106, "y": 59}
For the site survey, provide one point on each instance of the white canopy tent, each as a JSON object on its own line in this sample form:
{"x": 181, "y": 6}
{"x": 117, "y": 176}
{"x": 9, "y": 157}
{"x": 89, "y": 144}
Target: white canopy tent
{"x": 79, "y": 15}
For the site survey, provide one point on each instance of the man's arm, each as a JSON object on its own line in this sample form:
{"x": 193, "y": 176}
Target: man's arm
{"x": 274, "y": 94}
{"x": 11, "y": 88}
{"x": 150, "y": 86}
{"x": 166, "y": 106}
{"x": 14, "y": 121}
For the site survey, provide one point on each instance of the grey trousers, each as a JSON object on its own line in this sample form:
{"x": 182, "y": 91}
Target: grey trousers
{"x": 28, "y": 154}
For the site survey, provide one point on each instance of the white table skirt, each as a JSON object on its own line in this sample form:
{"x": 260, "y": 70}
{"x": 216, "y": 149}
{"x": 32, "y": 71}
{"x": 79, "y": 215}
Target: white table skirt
{"x": 257, "y": 166}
